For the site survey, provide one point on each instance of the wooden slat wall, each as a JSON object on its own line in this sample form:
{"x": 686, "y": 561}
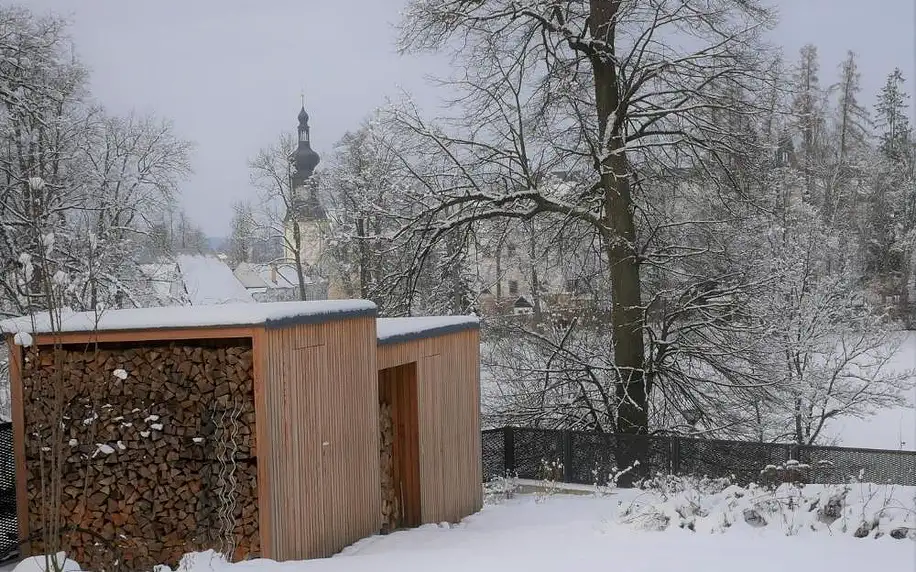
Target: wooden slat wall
{"x": 321, "y": 409}
{"x": 448, "y": 378}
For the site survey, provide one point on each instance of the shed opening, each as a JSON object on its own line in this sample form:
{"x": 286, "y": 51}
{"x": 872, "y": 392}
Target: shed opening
{"x": 399, "y": 447}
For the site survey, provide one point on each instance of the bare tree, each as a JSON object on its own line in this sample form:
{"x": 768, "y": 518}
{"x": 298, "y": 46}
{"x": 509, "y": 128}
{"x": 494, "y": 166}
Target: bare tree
{"x": 831, "y": 349}
{"x": 598, "y": 87}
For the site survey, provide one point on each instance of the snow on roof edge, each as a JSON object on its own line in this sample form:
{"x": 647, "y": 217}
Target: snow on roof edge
{"x": 271, "y": 315}
{"x": 399, "y": 330}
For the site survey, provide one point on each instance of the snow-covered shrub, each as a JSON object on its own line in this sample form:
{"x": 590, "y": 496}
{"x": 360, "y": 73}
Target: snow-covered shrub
{"x": 791, "y": 471}
{"x": 551, "y": 473}
{"x": 605, "y": 486}
{"x": 714, "y": 506}
{"x": 500, "y": 489}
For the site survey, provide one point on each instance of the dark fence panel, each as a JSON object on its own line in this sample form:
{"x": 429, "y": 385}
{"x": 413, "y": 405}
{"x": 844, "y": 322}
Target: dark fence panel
{"x": 9, "y": 527}
{"x": 522, "y": 451}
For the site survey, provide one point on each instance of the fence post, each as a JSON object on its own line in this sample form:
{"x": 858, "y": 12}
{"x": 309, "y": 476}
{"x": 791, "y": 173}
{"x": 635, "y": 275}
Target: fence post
{"x": 508, "y": 450}
{"x": 675, "y": 452}
{"x": 568, "y": 456}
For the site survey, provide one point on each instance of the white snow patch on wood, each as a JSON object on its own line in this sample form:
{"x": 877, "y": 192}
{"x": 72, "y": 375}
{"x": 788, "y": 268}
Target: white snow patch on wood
{"x": 104, "y": 449}
{"x": 23, "y": 339}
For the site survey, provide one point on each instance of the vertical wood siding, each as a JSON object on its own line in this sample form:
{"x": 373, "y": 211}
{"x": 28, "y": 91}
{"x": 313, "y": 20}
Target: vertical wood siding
{"x": 448, "y": 391}
{"x": 321, "y": 408}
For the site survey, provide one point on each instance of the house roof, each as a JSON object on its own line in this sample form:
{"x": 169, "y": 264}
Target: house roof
{"x": 522, "y": 302}
{"x": 208, "y": 280}
{"x": 268, "y": 314}
{"x": 269, "y": 275}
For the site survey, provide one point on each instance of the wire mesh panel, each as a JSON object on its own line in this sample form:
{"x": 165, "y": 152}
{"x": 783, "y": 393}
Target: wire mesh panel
{"x": 839, "y": 465}
{"x": 534, "y": 447}
{"x": 493, "y": 453}
{"x": 591, "y": 457}
{"x": 594, "y": 457}
{"x": 9, "y": 528}
{"x": 716, "y": 459}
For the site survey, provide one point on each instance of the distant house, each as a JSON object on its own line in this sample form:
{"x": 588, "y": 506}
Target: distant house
{"x": 522, "y": 307}
{"x": 208, "y": 280}
{"x": 278, "y": 282}
{"x": 164, "y": 281}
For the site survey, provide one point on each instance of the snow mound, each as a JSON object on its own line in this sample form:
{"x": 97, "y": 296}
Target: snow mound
{"x": 47, "y": 563}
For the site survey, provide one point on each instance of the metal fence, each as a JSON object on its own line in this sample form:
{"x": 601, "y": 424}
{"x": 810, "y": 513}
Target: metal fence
{"x": 9, "y": 529}
{"x": 522, "y": 451}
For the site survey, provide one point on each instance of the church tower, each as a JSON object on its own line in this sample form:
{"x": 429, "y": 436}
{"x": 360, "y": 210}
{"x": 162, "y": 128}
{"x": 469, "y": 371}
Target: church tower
{"x": 305, "y": 214}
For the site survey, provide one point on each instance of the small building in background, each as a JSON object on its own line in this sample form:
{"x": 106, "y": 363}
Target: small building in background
{"x": 278, "y": 282}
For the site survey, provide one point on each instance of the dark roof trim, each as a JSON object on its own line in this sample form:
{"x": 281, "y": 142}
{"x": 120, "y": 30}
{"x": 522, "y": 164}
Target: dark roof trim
{"x": 319, "y": 318}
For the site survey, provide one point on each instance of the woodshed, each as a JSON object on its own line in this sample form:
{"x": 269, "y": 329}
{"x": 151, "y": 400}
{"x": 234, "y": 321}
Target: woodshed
{"x": 282, "y": 430}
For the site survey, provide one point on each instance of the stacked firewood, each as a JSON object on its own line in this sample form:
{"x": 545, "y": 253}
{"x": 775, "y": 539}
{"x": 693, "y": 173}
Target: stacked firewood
{"x": 391, "y": 513}
{"x": 155, "y": 446}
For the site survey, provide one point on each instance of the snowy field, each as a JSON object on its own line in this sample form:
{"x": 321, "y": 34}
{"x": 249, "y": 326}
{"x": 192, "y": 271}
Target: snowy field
{"x": 621, "y": 531}
{"x": 890, "y": 428}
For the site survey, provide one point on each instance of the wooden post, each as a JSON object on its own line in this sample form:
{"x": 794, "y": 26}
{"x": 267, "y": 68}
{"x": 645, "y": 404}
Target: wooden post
{"x": 568, "y": 457}
{"x": 262, "y": 447}
{"x": 508, "y": 450}
{"x": 16, "y": 402}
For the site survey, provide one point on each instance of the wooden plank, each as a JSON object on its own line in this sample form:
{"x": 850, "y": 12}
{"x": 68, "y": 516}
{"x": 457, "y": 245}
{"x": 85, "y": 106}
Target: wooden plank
{"x": 408, "y": 419}
{"x": 165, "y": 334}
{"x": 259, "y": 350}
{"x": 324, "y": 431}
{"x": 16, "y": 403}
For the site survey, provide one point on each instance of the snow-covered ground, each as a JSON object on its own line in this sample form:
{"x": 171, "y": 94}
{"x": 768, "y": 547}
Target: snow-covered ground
{"x": 575, "y": 532}
{"x": 890, "y": 428}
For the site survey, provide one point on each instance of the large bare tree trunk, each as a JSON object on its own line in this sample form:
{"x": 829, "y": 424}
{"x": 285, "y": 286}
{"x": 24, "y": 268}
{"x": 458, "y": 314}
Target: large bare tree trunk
{"x": 620, "y": 238}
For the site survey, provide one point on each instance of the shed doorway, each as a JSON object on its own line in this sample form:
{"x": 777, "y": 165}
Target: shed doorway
{"x": 399, "y": 447}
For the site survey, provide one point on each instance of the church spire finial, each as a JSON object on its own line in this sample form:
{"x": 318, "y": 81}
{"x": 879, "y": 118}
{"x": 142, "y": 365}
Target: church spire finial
{"x": 302, "y": 99}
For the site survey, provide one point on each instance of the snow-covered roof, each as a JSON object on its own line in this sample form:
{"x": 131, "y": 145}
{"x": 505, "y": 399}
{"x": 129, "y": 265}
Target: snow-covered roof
{"x": 163, "y": 278}
{"x": 269, "y": 314}
{"x": 282, "y": 275}
{"x": 208, "y": 280}
{"x": 396, "y": 330}
{"x": 248, "y": 276}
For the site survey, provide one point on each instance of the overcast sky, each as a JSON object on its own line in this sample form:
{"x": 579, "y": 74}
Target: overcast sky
{"x": 229, "y": 72}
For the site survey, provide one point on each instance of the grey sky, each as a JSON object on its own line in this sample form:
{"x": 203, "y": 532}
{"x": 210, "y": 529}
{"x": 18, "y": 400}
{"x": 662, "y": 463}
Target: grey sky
{"x": 229, "y": 72}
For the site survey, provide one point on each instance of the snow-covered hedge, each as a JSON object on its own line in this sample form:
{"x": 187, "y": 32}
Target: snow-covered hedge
{"x": 716, "y": 506}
